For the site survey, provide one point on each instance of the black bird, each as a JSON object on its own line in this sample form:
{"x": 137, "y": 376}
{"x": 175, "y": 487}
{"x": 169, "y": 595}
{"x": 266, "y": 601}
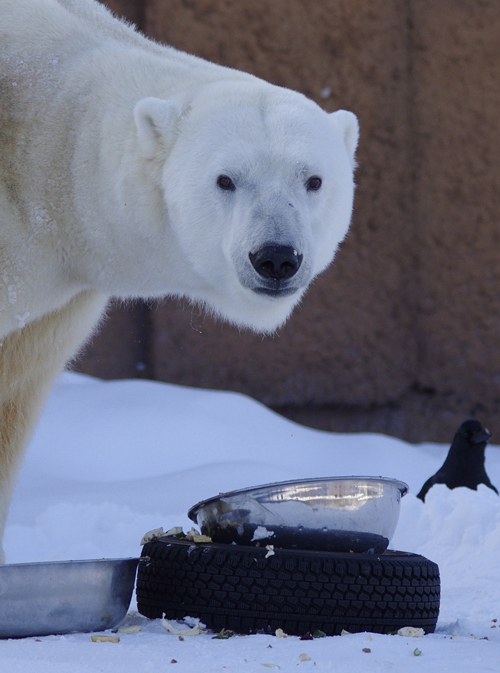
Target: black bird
{"x": 464, "y": 464}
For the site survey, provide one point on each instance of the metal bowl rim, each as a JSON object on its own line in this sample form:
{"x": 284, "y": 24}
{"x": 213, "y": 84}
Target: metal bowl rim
{"x": 38, "y": 564}
{"x": 403, "y": 488}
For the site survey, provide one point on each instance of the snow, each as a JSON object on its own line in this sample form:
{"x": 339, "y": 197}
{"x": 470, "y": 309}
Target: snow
{"x": 113, "y": 460}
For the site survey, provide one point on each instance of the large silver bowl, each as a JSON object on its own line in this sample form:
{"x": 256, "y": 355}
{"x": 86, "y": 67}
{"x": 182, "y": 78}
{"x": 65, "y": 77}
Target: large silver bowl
{"x": 356, "y": 514}
{"x": 39, "y": 599}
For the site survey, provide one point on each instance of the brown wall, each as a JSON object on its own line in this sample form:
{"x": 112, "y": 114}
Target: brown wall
{"x": 400, "y": 334}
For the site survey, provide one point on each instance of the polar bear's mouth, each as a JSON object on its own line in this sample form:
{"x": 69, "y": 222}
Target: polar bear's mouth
{"x": 276, "y": 291}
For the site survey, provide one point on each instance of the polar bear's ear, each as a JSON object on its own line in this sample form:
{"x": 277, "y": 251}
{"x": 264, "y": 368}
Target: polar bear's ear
{"x": 349, "y": 126}
{"x": 155, "y": 120}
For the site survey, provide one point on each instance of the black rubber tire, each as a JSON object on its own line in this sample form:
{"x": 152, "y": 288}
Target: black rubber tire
{"x": 238, "y": 588}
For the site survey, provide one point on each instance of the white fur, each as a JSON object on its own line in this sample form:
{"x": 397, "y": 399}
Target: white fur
{"x": 110, "y": 149}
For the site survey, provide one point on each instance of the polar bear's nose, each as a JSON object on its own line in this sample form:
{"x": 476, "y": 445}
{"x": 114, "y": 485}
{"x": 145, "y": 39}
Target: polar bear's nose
{"x": 276, "y": 262}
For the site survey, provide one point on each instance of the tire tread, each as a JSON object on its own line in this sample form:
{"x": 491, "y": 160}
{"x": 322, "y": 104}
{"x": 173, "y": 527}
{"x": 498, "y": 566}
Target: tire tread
{"x": 238, "y": 588}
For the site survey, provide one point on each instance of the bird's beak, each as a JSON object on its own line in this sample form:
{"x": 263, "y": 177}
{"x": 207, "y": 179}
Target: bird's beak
{"x": 484, "y": 437}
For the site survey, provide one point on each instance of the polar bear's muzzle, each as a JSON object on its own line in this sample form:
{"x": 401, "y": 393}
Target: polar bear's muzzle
{"x": 276, "y": 265}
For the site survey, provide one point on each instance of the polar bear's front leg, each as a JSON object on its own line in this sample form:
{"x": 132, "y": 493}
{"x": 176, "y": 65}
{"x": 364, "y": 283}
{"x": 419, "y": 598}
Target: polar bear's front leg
{"x": 30, "y": 359}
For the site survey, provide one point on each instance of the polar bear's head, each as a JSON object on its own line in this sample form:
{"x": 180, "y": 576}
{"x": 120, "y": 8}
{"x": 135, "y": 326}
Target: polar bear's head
{"x": 258, "y": 189}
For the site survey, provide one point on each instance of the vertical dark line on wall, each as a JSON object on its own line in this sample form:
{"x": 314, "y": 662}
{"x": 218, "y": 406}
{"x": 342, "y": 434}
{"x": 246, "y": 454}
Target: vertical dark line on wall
{"x": 144, "y": 364}
{"x": 140, "y": 12}
{"x": 413, "y": 285}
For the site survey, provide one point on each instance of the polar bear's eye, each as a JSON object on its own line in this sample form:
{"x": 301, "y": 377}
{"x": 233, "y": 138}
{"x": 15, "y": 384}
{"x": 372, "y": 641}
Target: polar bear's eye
{"x": 313, "y": 184}
{"x": 225, "y": 182}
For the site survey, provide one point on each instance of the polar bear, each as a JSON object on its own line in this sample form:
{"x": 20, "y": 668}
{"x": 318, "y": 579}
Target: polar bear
{"x": 130, "y": 169}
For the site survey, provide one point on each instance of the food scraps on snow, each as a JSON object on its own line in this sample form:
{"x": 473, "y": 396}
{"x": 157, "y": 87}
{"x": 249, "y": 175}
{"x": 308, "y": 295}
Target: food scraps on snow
{"x": 411, "y": 632}
{"x": 193, "y": 535}
{"x": 135, "y": 628}
{"x": 152, "y": 535}
{"x": 185, "y": 631}
{"x": 224, "y": 634}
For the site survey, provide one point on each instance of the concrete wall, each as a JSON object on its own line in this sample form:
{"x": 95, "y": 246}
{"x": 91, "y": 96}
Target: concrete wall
{"x": 400, "y": 335}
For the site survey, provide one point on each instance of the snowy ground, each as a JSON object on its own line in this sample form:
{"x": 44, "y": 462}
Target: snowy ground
{"x": 112, "y": 460}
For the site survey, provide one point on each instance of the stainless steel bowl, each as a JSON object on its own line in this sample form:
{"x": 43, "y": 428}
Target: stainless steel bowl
{"x": 39, "y": 599}
{"x": 356, "y": 514}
